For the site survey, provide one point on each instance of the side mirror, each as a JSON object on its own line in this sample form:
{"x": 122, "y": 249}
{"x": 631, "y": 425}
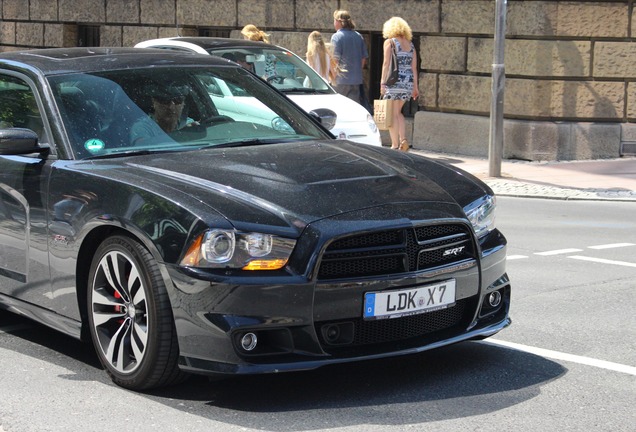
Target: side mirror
{"x": 19, "y": 141}
{"x": 326, "y": 117}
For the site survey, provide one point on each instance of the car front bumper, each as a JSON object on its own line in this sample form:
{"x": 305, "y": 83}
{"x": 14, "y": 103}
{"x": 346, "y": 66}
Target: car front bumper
{"x": 291, "y": 315}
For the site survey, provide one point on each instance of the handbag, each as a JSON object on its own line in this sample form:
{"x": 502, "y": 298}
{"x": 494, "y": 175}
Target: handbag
{"x": 383, "y": 113}
{"x": 393, "y": 66}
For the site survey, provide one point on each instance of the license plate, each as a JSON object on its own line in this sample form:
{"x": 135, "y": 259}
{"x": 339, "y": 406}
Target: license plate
{"x": 394, "y": 304}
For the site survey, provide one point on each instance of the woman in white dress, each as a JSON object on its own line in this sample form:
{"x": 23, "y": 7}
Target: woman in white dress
{"x": 397, "y": 32}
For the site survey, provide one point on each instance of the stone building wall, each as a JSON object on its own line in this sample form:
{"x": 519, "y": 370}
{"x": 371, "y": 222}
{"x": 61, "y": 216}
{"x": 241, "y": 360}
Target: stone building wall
{"x": 570, "y": 65}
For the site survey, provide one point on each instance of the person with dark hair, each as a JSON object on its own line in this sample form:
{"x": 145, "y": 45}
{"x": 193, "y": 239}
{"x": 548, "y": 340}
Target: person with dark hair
{"x": 168, "y": 102}
{"x": 240, "y": 58}
{"x": 351, "y": 52}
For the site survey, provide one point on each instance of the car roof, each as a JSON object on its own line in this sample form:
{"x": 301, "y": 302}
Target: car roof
{"x": 54, "y": 61}
{"x": 214, "y": 43}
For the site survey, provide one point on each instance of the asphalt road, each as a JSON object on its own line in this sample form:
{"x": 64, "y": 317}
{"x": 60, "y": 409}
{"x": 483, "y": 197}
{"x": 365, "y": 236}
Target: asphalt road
{"x": 567, "y": 363}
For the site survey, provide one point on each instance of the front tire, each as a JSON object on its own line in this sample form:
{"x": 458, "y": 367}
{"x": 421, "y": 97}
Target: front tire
{"x": 130, "y": 318}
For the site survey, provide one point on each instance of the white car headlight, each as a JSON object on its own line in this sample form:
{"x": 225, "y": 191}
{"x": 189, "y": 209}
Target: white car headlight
{"x": 218, "y": 248}
{"x": 481, "y": 214}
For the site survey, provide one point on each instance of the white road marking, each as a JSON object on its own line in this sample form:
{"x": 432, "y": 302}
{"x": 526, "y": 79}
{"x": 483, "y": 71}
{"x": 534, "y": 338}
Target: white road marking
{"x": 617, "y": 367}
{"x": 603, "y": 261}
{"x": 558, "y": 252}
{"x": 514, "y": 257}
{"x": 610, "y": 246}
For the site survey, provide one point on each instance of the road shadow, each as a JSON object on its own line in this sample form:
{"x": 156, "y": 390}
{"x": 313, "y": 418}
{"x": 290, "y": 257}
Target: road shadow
{"x": 466, "y": 379}
{"x": 463, "y": 380}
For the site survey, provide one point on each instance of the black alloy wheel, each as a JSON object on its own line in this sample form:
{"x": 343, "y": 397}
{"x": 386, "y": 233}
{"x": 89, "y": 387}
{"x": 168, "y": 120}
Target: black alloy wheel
{"x": 130, "y": 318}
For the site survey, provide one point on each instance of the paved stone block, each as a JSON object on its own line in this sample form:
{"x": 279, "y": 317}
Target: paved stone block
{"x": 126, "y": 11}
{"x": 451, "y": 133}
{"x": 631, "y": 101}
{"x": 221, "y": 13}
{"x": 466, "y": 93}
{"x": 316, "y": 14}
{"x": 528, "y": 140}
{"x": 531, "y": 140}
{"x": 266, "y": 13}
{"x": 110, "y": 36}
{"x": 593, "y": 99}
{"x": 14, "y": 10}
{"x": 445, "y": 54}
{"x": 628, "y": 132}
{"x": 468, "y": 16}
{"x": 7, "y": 32}
{"x": 165, "y": 32}
{"x": 158, "y": 12}
{"x": 533, "y": 57}
{"x": 132, "y": 35}
{"x": 42, "y": 10}
{"x": 90, "y": 11}
{"x": 428, "y": 90}
{"x": 591, "y": 141}
{"x": 615, "y": 59}
{"x": 535, "y": 18}
{"x": 593, "y": 19}
{"x": 573, "y": 99}
{"x": 54, "y": 35}
{"x": 422, "y": 16}
{"x": 294, "y": 41}
{"x": 29, "y": 34}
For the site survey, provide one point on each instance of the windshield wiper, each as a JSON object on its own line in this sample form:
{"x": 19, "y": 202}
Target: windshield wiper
{"x": 131, "y": 153}
{"x": 302, "y": 90}
{"x": 246, "y": 142}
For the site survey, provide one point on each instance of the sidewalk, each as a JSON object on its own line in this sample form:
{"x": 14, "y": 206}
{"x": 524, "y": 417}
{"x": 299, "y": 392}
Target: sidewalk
{"x": 606, "y": 179}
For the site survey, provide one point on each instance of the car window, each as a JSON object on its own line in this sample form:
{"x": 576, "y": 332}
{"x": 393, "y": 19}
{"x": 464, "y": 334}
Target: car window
{"x": 18, "y": 107}
{"x": 172, "y": 109}
{"x": 281, "y": 68}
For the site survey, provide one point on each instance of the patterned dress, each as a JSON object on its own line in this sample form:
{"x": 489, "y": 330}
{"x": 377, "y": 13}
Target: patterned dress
{"x": 403, "y": 88}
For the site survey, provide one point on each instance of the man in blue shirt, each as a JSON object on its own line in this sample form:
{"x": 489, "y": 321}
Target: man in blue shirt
{"x": 351, "y": 51}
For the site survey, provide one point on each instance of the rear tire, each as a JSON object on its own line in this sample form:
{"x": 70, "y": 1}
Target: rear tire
{"x": 130, "y": 318}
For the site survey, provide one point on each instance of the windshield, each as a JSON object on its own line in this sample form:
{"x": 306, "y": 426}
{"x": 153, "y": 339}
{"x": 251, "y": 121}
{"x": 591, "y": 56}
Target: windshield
{"x": 120, "y": 112}
{"x": 281, "y": 68}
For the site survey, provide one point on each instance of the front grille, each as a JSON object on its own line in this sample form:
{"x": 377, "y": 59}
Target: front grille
{"x": 430, "y": 325}
{"x": 396, "y": 251}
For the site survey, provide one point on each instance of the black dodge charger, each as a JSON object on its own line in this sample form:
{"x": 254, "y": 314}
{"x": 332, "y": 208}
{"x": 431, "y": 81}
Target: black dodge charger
{"x": 186, "y": 232}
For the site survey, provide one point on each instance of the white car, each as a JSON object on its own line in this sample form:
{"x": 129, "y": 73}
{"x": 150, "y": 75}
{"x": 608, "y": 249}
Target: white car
{"x": 289, "y": 74}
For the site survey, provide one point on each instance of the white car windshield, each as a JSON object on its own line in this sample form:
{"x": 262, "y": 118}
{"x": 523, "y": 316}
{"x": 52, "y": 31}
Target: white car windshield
{"x": 107, "y": 114}
{"x": 281, "y": 68}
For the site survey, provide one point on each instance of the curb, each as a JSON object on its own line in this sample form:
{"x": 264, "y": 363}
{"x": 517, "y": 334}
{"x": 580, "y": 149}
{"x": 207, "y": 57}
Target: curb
{"x": 520, "y": 189}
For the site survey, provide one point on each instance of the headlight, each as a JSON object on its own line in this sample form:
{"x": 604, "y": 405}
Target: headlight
{"x": 481, "y": 214}
{"x": 371, "y": 123}
{"x": 230, "y": 249}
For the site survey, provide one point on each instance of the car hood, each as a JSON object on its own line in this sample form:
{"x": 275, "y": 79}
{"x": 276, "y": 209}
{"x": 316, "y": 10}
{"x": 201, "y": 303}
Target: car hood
{"x": 294, "y": 184}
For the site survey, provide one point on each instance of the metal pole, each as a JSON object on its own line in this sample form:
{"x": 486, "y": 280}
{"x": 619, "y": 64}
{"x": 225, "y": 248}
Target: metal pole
{"x": 495, "y": 148}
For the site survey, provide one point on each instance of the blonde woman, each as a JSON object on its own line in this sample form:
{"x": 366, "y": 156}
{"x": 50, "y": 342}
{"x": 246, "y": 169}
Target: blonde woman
{"x": 251, "y": 32}
{"x": 397, "y": 32}
{"x": 318, "y": 56}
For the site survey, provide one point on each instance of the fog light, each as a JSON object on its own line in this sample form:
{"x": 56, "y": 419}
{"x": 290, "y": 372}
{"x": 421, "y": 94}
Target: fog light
{"x": 494, "y": 299}
{"x": 332, "y": 333}
{"x": 249, "y": 341}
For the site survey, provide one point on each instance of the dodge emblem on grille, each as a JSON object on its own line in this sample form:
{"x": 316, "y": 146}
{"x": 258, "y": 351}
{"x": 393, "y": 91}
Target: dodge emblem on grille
{"x": 454, "y": 251}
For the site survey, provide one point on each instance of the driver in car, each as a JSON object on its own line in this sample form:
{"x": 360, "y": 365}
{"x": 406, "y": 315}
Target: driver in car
{"x": 168, "y": 113}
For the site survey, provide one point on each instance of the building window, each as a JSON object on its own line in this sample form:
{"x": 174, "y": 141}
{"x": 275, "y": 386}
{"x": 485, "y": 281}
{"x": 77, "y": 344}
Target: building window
{"x": 211, "y": 32}
{"x": 88, "y": 36}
